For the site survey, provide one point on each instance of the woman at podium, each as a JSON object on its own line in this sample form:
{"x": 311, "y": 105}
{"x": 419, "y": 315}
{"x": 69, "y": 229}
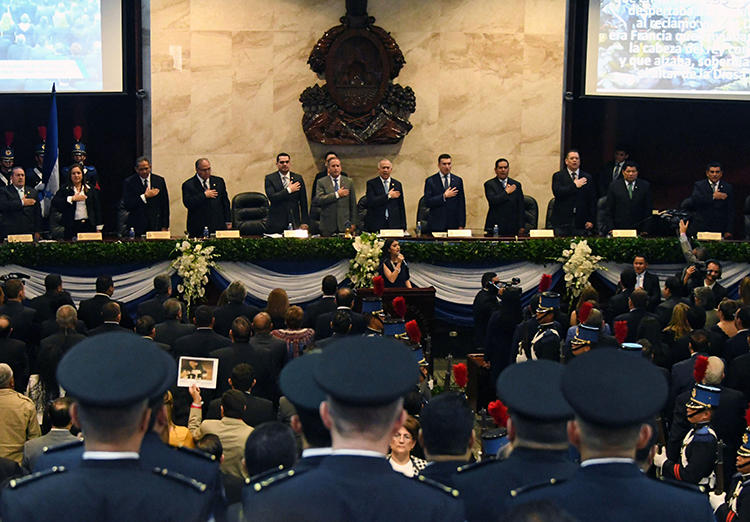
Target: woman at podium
{"x": 393, "y": 266}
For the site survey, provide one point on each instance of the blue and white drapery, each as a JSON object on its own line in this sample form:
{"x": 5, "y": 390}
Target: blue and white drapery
{"x": 455, "y": 286}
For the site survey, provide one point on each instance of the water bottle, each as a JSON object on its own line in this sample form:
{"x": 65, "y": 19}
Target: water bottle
{"x": 495, "y": 231}
{"x": 290, "y": 226}
{"x": 419, "y": 229}
{"x": 131, "y": 233}
{"x": 206, "y": 233}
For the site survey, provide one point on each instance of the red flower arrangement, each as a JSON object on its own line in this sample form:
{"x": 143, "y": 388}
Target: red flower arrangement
{"x": 499, "y": 413}
{"x": 460, "y": 374}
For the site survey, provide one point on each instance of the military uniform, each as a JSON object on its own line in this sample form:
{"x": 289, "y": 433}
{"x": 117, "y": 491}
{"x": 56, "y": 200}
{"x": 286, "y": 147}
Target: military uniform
{"x": 109, "y": 485}
{"x": 697, "y": 458}
{"x": 737, "y": 506}
{"x": 353, "y": 484}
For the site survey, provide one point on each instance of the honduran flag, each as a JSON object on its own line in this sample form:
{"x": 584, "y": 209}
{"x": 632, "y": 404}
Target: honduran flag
{"x": 51, "y": 165}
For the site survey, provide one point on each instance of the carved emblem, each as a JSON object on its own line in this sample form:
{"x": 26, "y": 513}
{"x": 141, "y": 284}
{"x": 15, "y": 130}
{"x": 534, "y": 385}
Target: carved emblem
{"x": 359, "y": 103}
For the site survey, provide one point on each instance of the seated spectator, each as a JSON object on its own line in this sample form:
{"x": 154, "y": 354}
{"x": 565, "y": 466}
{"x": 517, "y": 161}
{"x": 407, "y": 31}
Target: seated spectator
{"x": 58, "y": 412}
{"x": 231, "y": 429}
{"x": 270, "y": 445}
{"x": 276, "y": 307}
{"x": 19, "y": 418}
{"x": 172, "y": 328}
{"x": 401, "y": 446}
{"x": 235, "y": 306}
{"x": 257, "y": 410}
{"x": 295, "y": 337}
{"x": 179, "y": 436}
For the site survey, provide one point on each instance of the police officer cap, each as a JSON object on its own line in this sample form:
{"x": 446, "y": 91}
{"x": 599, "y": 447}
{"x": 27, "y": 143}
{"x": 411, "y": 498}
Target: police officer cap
{"x": 366, "y": 371}
{"x": 532, "y": 389}
{"x": 299, "y": 386}
{"x": 613, "y": 389}
{"x": 79, "y": 148}
{"x": 114, "y": 370}
{"x": 40, "y": 147}
{"x": 7, "y": 153}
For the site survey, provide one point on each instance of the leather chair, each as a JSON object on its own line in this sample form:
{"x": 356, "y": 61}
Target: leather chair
{"x": 530, "y": 212}
{"x": 423, "y": 213}
{"x": 746, "y": 214}
{"x": 56, "y": 227}
{"x": 601, "y": 216}
{"x": 548, "y": 218}
{"x": 122, "y": 220}
{"x": 314, "y": 217}
{"x": 362, "y": 214}
{"x": 250, "y": 213}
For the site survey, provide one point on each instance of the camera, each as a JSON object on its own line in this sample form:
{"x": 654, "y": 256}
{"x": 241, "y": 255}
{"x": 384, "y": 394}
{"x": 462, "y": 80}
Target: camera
{"x": 507, "y": 284}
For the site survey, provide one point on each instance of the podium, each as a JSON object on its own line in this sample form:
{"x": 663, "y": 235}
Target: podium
{"x": 420, "y": 304}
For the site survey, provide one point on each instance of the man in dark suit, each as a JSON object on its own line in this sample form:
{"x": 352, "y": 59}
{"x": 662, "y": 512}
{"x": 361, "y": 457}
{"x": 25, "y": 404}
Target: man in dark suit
{"x": 673, "y": 294}
{"x": 681, "y": 375}
{"x": 204, "y": 340}
{"x": 263, "y": 362}
{"x": 613, "y": 410}
{"x": 327, "y": 303}
{"x": 206, "y": 200}
{"x": 66, "y": 336}
{"x": 286, "y": 192}
{"x": 713, "y": 202}
{"x": 737, "y": 345}
{"x": 172, "y": 328}
{"x": 344, "y": 301}
{"x": 257, "y": 410}
{"x": 145, "y": 197}
{"x": 629, "y": 201}
{"x": 738, "y": 374}
{"x": 58, "y": 412}
{"x": 648, "y": 281}
{"x": 146, "y": 328}
{"x": 444, "y": 196}
{"x": 90, "y": 310}
{"x": 537, "y": 433}
{"x": 54, "y": 297}
{"x": 13, "y": 353}
{"x": 611, "y": 171}
{"x": 20, "y": 207}
{"x": 575, "y": 198}
{"x": 155, "y": 306}
{"x": 334, "y": 195}
{"x": 710, "y": 279}
{"x": 618, "y": 303}
{"x": 111, "y": 316}
{"x": 21, "y": 317}
{"x": 637, "y": 303}
{"x": 385, "y": 201}
{"x": 505, "y": 197}
{"x": 485, "y": 302}
{"x": 235, "y": 307}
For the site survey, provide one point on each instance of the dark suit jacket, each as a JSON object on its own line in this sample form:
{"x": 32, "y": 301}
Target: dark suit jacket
{"x": 712, "y": 215}
{"x": 46, "y": 305}
{"x": 22, "y": 321}
{"x": 224, "y": 315}
{"x": 17, "y": 219}
{"x": 335, "y": 212}
{"x": 664, "y": 309}
{"x": 199, "y": 343}
{"x": 321, "y": 306}
{"x": 323, "y": 324}
{"x": 213, "y": 213}
{"x": 50, "y": 327}
{"x": 63, "y": 341}
{"x": 265, "y": 368}
{"x": 169, "y": 331}
{"x": 735, "y": 347}
{"x": 108, "y": 328}
{"x": 653, "y": 288}
{"x": 257, "y": 410}
{"x": 633, "y": 318}
{"x": 90, "y": 311}
{"x": 13, "y": 353}
{"x": 623, "y": 212}
{"x": 618, "y": 304}
{"x": 681, "y": 377}
{"x": 444, "y": 214}
{"x": 151, "y": 215}
{"x": 506, "y": 210}
{"x": 573, "y": 206}
{"x": 604, "y": 179}
{"x": 484, "y": 304}
{"x": 154, "y": 307}
{"x": 286, "y": 207}
{"x": 738, "y": 375}
{"x": 93, "y": 208}
{"x": 378, "y": 202}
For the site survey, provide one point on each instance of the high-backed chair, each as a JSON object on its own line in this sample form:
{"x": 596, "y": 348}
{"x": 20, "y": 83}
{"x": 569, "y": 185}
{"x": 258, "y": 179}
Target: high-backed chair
{"x": 746, "y": 214}
{"x": 601, "y": 216}
{"x": 362, "y": 213}
{"x": 122, "y": 220}
{"x": 250, "y": 213}
{"x": 530, "y": 212}
{"x": 423, "y": 213}
{"x": 56, "y": 227}
{"x": 548, "y": 218}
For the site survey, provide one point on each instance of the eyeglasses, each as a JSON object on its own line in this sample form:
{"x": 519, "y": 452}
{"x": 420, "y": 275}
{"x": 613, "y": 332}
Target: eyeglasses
{"x": 405, "y": 436}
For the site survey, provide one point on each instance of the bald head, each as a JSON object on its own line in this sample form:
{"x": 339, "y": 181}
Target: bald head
{"x": 262, "y": 323}
{"x": 6, "y": 376}
{"x": 66, "y": 317}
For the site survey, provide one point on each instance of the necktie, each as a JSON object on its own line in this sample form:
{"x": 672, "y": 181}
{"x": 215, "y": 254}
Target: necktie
{"x": 715, "y": 186}
{"x": 505, "y": 184}
{"x": 616, "y": 171}
{"x": 386, "y": 188}
{"x": 145, "y": 184}
{"x": 573, "y": 176}
{"x": 630, "y": 190}
{"x": 285, "y": 181}
{"x": 446, "y": 183}
{"x": 336, "y": 184}
{"x": 205, "y": 184}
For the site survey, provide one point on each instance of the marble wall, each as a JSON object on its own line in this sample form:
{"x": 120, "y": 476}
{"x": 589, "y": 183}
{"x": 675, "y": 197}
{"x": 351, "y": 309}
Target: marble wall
{"x": 488, "y": 76}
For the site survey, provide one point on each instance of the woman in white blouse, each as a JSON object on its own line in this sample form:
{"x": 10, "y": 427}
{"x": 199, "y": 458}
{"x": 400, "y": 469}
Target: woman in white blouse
{"x": 79, "y": 205}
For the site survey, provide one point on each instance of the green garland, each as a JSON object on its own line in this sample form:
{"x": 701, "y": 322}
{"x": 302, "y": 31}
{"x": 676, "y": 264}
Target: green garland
{"x": 476, "y": 252}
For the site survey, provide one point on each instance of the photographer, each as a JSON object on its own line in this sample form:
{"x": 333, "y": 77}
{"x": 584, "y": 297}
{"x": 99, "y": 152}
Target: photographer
{"x": 700, "y": 272}
{"x": 486, "y": 302}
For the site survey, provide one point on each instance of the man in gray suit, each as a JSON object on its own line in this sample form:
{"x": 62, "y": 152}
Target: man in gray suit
{"x": 59, "y": 414}
{"x": 334, "y": 194}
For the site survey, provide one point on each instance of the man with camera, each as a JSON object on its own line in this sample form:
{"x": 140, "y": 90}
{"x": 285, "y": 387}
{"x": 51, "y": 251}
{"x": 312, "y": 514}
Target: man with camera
{"x": 699, "y": 272}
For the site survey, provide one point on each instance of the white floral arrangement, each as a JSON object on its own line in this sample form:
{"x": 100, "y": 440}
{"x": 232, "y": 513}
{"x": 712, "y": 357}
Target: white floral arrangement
{"x": 192, "y": 266}
{"x": 578, "y": 266}
{"x": 365, "y": 264}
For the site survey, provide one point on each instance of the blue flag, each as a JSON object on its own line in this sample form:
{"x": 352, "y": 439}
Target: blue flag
{"x": 51, "y": 165}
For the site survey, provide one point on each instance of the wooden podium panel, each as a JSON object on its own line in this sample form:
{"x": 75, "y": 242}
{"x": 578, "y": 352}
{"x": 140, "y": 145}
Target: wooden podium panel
{"x": 419, "y": 300}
